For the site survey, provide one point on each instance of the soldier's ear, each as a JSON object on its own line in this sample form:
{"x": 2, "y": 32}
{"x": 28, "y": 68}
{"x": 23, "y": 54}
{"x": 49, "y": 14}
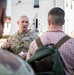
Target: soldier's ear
{"x": 18, "y": 22}
{"x": 48, "y": 22}
{"x": 64, "y": 21}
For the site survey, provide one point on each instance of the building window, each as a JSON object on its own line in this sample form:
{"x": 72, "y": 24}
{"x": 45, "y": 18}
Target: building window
{"x": 36, "y": 3}
{"x": 71, "y": 4}
{"x": 66, "y": 3}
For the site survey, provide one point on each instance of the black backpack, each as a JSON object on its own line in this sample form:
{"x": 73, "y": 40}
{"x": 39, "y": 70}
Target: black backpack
{"x": 46, "y": 60}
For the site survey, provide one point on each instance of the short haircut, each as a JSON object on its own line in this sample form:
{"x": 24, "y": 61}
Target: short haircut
{"x": 23, "y": 16}
{"x": 56, "y": 16}
{"x": 3, "y": 3}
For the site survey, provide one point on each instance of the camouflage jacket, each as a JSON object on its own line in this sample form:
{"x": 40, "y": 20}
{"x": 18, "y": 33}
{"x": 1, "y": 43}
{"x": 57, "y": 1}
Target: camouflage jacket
{"x": 20, "y": 42}
{"x": 13, "y": 65}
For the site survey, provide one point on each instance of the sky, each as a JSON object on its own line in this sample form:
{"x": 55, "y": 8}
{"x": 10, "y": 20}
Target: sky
{"x": 8, "y": 11}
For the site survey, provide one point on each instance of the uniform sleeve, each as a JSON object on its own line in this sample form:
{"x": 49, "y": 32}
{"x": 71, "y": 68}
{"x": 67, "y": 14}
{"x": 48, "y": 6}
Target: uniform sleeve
{"x": 13, "y": 65}
{"x": 35, "y": 35}
{"x": 24, "y": 68}
{"x": 9, "y": 38}
{"x": 32, "y": 48}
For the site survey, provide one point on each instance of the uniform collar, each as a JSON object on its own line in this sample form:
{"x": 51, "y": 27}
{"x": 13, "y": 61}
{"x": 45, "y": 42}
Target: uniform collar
{"x": 23, "y": 34}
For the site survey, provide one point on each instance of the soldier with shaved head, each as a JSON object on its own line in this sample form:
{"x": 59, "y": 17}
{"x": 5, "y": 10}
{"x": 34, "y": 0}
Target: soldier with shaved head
{"x": 18, "y": 43}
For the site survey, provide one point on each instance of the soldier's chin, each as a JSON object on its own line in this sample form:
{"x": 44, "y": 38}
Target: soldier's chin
{"x": 25, "y": 29}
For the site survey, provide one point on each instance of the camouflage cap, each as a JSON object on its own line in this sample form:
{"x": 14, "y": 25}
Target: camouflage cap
{"x": 13, "y": 65}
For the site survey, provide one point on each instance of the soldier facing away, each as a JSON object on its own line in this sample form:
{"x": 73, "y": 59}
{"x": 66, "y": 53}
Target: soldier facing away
{"x": 9, "y": 63}
{"x": 18, "y": 43}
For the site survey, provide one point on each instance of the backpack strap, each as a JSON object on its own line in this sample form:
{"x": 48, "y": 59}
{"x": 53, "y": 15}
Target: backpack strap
{"x": 60, "y": 42}
{"x": 38, "y": 41}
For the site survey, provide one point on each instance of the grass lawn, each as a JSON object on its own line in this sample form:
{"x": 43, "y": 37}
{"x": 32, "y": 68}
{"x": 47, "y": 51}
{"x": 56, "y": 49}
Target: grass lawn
{"x": 5, "y": 36}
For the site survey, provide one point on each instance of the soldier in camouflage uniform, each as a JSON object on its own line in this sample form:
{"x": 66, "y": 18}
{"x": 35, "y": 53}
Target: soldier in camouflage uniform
{"x": 9, "y": 63}
{"x": 20, "y": 41}
{"x": 13, "y": 65}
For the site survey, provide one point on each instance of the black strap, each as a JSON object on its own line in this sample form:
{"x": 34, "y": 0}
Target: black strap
{"x": 60, "y": 42}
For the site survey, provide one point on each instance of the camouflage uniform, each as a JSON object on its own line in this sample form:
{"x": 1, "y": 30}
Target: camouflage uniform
{"x": 13, "y": 65}
{"x": 20, "y": 42}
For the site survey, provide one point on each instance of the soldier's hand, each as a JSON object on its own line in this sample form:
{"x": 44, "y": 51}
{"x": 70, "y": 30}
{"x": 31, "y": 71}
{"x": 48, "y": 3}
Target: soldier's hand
{"x": 5, "y": 45}
{"x": 24, "y": 56}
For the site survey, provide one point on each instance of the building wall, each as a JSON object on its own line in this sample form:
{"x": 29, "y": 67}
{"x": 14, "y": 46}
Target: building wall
{"x": 7, "y": 28}
{"x": 26, "y": 8}
{"x": 69, "y": 18}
